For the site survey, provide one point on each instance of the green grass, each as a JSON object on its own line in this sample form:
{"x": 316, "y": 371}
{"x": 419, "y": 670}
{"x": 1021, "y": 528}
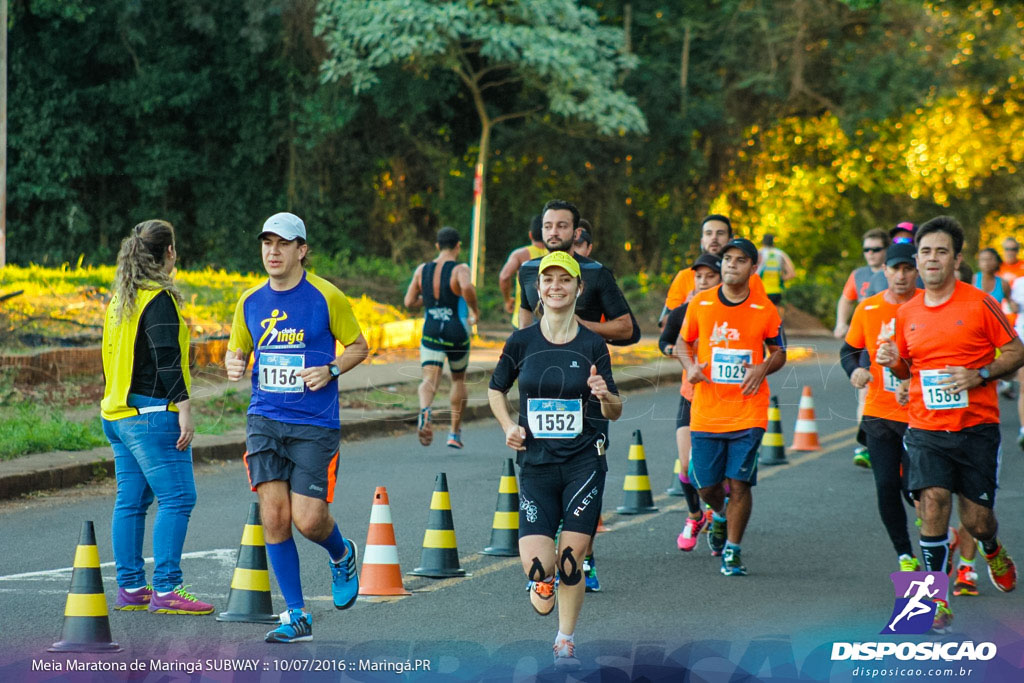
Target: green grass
{"x": 30, "y": 428}
{"x": 221, "y": 413}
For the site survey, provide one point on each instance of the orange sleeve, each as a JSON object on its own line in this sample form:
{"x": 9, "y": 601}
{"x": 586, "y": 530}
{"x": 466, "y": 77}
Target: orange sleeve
{"x": 757, "y": 286}
{"x": 850, "y": 288}
{"x": 689, "y": 332}
{"x": 855, "y": 335}
{"x": 997, "y": 327}
{"x": 678, "y": 290}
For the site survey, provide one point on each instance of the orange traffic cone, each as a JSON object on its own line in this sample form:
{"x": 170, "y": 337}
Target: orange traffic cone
{"x": 601, "y": 528}
{"x": 86, "y": 623}
{"x": 381, "y": 574}
{"x": 805, "y": 435}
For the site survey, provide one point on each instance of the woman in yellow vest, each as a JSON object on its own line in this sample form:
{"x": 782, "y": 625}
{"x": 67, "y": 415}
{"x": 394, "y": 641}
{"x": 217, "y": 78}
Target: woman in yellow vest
{"x": 148, "y": 421}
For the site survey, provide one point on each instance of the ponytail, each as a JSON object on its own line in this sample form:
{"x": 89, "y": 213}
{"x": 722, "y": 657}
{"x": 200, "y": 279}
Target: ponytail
{"x": 140, "y": 265}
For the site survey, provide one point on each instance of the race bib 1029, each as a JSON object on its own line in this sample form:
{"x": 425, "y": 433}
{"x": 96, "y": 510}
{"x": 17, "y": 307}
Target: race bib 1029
{"x": 727, "y": 365}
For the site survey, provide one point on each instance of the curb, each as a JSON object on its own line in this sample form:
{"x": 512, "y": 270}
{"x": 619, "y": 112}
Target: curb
{"x": 81, "y": 467}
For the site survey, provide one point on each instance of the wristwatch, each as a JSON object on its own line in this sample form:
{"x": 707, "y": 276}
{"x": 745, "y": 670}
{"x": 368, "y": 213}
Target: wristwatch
{"x": 335, "y": 370}
{"x": 984, "y": 374}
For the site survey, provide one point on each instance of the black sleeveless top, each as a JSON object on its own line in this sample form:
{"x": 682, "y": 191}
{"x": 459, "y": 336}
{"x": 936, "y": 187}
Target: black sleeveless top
{"x": 443, "y": 328}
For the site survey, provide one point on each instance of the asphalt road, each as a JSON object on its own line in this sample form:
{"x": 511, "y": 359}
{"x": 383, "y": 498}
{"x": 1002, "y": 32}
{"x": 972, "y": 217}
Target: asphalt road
{"x": 817, "y": 554}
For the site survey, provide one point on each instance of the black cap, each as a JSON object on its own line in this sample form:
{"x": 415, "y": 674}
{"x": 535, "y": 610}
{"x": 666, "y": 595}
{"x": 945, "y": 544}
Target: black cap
{"x": 710, "y": 260}
{"x": 746, "y": 246}
{"x": 900, "y": 253}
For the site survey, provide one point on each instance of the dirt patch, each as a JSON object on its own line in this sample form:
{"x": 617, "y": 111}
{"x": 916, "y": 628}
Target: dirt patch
{"x": 800, "y": 322}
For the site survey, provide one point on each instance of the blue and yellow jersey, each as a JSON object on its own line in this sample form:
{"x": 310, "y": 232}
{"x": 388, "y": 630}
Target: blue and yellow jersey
{"x": 289, "y": 331}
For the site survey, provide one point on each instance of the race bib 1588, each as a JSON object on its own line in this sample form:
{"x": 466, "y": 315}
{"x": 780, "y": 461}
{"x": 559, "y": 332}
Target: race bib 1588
{"x": 935, "y": 395}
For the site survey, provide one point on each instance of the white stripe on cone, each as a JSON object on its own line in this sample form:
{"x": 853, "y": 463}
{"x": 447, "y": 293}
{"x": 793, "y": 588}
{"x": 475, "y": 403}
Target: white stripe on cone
{"x": 380, "y": 514}
{"x": 380, "y": 554}
{"x": 805, "y": 426}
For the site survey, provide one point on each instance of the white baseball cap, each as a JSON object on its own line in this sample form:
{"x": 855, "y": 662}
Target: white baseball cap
{"x": 285, "y": 225}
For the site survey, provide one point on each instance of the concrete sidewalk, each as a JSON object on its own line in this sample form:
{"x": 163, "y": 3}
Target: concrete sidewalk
{"x": 64, "y": 469}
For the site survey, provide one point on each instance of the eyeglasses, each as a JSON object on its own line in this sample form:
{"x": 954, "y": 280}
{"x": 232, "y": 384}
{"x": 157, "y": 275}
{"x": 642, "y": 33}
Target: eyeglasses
{"x": 902, "y": 240}
{"x": 1011, "y": 248}
{"x": 873, "y": 250}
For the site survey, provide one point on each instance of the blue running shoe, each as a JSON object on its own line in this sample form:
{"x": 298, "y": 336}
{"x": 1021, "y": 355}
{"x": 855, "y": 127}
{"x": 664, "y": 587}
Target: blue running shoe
{"x": 590, "y": 575}
{"x": 296, "y": 626}
{"x": 344, "y": 577}
{"x": 732, "y": 565}
{"x": 717, "y": 536}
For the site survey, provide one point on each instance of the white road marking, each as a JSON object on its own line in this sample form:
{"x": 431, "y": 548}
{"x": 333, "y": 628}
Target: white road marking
{"x": 225, "y": 556}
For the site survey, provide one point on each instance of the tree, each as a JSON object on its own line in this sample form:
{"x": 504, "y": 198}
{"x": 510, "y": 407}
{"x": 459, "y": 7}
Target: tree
{"x": 516, "y": 59}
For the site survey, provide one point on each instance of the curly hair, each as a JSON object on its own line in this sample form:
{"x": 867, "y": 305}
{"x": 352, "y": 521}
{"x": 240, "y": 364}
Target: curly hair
{"x": 140, "y": 265}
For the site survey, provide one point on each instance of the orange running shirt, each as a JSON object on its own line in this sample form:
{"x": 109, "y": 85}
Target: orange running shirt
{"x": 965, "y": 331}
{"x": 683, "y": 284}
{"x": 872, "y": 317}
{"x": 725, "y": 336}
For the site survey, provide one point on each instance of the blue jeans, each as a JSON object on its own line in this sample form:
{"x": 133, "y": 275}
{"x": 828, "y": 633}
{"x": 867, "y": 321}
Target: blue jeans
{"x": 148, "y": 464}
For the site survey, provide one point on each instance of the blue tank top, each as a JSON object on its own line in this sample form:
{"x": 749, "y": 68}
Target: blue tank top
{"x": 444, "y": 326}
{"x": 997, "y": 291}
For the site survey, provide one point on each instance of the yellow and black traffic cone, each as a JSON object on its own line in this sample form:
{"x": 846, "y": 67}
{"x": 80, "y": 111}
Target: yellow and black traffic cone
{"x": 636, "y": 488}
{"x": 773, "y": 449}
{"x": 676, "y": 489}
{"x": 505, "y": 528}
{"x": 249, "y": 596}
{"x": 440, "y": 557}
{"x": 86, "y": 620}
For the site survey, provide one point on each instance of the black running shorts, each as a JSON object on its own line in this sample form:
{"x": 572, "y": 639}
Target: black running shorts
{"x": 683, "y": 416}
{"x": 305, "y": 456}
{"x": 567, "y": 493}
{"x": 965, "y": 462}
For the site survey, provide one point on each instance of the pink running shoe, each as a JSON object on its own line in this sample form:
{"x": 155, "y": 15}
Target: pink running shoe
{"x": 687, "y": 540}
{"x": 178, "y": 601}
{"x": 133, "y": 600}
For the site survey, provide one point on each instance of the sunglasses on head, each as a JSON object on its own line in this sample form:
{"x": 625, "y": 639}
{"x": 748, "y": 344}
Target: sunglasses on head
{"x": 873, "y": 250}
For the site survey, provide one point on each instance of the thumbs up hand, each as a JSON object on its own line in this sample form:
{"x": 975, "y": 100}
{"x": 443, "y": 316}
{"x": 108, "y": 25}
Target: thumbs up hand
{"x": 235, "y": 362}
{"x": 598, "y": 387}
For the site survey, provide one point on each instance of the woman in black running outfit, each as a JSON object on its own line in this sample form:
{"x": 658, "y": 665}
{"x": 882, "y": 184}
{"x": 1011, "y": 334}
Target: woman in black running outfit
{"x": 566, "y": 397}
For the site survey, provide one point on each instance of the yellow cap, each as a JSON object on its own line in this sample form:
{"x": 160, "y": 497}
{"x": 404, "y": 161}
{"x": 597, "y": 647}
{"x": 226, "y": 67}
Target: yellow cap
{"x": 562, "y": 259}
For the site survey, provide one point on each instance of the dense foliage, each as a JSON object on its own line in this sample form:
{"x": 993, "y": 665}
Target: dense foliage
{"x": 814, "y": 119}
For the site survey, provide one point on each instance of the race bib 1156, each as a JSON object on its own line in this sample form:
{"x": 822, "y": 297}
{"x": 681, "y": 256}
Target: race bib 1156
{"x": 279, "y": 372}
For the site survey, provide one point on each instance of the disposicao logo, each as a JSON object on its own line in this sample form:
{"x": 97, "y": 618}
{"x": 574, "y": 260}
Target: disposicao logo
{"x": 913, "y": 613}
{"x": 915, "y": 605}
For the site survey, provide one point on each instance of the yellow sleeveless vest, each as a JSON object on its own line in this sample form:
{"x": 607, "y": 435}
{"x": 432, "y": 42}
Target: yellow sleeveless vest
{"x": 535, "y": 252}
{"x": 119, "y": 355}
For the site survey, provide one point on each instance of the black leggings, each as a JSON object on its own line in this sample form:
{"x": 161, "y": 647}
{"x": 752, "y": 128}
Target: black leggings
{"x": 885, "y": 444}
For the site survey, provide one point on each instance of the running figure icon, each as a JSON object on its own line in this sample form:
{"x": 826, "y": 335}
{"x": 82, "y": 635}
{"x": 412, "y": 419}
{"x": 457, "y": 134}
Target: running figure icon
{"x": 920, "y": 603}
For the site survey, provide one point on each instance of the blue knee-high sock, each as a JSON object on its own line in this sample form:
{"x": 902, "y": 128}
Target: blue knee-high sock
{"x": 284, "y": 558}
{"x": 334, "y": 544}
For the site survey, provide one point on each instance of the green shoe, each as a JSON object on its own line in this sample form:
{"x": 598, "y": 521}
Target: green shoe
{"x": 909, "y": 563}
{"x": 861, "y": 458}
